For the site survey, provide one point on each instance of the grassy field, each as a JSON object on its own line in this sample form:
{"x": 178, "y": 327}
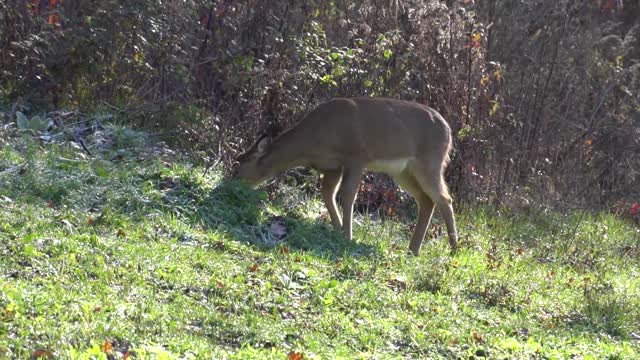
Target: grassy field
{"x": 133, "y": 255}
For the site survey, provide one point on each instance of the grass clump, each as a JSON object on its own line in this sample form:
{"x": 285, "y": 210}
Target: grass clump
{"x": 148, "y": 257}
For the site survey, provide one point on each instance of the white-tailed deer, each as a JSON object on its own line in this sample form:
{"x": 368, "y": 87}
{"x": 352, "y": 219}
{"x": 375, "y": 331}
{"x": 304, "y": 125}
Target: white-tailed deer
{"x": 345, "y": 136}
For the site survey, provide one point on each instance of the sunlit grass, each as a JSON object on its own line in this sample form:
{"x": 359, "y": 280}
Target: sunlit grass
{"x": 153, "y": 259}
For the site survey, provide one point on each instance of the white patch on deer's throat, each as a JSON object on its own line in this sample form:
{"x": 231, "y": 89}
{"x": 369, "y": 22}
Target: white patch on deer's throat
{"x": 391, "y": 167}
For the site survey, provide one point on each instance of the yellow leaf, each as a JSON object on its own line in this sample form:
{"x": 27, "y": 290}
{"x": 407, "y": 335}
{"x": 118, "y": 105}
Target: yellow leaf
{"x": 485, "y": 80}
{"x": 494, "y": 108}
{"x": 497, "y": 74}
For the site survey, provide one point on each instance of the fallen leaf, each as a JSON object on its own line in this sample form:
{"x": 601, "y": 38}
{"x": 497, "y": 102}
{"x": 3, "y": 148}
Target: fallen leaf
{"x": 67, "y": 223}
{"x": 295, "y": 355}
{"x": 254, "y": 268}
{"x": 477, "y": 337}
{"x": 219, "y": 284}
{"x": 50, "y": 204}
{"x": 106, "y": 346}
{"x": 121, "y": 233}
{"x": 284, "y": 250}
{"x": 550, "y": 275}
{"x": 398, "y": 283}
{"x": 549, "y": 325}
{"x": 41, "y": 353}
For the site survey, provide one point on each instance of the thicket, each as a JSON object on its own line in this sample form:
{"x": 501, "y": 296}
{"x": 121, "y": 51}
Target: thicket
{"x": 542, "y": 94}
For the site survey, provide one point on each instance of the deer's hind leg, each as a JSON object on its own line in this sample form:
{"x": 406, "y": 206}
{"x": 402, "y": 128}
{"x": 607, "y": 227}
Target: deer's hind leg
{"x": 431, "y": 179}
{"x": 425, "y": 209}
{"x": 330, "y": 183}
{"x": 348, "y": 191}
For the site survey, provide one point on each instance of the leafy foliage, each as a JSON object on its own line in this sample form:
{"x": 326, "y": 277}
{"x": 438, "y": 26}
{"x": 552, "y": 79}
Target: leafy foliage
{"x": 541, "y": 94}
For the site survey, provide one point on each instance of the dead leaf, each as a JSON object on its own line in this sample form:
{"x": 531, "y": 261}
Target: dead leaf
{"x": 42, "y": 353}
{"x": 219, "y": 284}
{"x": 50, "y": 204}
{"x": 549, "y": 325}
{"x": 67, "y": 223}
{"x": 295, "y": 355}
{"x": 550, "y": 276}
{"x": 106, "y": 346}
{"x": 477, "y": 337}
{"x": 398, "y": 283}
{"x": 121, "y": 233}
{"x": 284, "y": 250}
{"x": 254, "y": 268}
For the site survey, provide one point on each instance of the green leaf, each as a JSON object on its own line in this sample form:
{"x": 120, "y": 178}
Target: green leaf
{"x": 23, "y": 123}
{"x": 328, "y": 80}
{"x": 38, "y": 124}
{"x": 101, "y": 171}
{"x": 387, "y": 54}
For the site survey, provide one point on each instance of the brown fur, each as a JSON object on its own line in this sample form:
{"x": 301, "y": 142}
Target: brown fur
{"x": 343, "y": 137}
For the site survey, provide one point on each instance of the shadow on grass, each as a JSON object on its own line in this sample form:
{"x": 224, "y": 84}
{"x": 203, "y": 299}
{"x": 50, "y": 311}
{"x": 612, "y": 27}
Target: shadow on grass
{"x": 235, "y": 210}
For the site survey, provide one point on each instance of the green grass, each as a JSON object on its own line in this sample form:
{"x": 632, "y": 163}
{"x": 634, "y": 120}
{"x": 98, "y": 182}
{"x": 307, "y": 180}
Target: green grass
{"x": 149, "y": 258}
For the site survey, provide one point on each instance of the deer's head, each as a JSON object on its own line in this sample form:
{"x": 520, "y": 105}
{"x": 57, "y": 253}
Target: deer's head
{"x": 251, "y": 167}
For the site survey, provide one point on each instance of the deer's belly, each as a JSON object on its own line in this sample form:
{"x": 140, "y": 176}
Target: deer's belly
{"x": 391, "y": 167}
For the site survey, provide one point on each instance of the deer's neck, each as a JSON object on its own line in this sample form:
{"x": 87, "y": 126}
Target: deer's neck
{"x": 286, "y": 152}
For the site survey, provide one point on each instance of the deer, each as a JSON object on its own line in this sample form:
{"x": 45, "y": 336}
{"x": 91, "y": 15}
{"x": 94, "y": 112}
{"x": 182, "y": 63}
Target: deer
{"x": 343, "y": 137}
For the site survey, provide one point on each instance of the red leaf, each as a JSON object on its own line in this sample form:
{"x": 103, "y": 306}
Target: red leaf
{"x": 41, "y": 353}
{"x": 635, "y": 209}
{"x": 295, "y": 355}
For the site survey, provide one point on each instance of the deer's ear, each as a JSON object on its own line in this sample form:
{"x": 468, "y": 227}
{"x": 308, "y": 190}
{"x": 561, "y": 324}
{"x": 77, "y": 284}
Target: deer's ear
{"x": 264, "y": 146}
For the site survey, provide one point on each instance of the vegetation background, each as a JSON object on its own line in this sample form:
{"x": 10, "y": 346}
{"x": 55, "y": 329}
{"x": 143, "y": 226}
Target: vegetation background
{"x": 114, "y": 244}
{"x": 542, "y": 94}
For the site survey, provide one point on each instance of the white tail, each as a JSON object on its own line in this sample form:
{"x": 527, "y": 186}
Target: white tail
{"x": 343, "y": 137}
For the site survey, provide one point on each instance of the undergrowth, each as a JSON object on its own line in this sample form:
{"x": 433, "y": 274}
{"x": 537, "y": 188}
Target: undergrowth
{"x": 127, "y": 256}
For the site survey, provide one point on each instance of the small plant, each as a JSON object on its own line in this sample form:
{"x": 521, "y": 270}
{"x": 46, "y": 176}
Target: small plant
{"x": 34, "y": 125}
